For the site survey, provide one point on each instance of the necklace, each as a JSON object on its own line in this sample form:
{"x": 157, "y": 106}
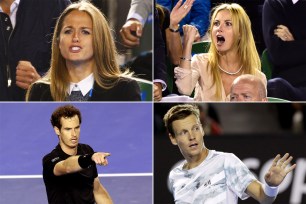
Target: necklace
{"x": 230, "y": 73}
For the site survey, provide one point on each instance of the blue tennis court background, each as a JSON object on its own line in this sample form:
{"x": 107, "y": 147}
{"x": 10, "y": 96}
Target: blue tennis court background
{"x": 123, "y": 129}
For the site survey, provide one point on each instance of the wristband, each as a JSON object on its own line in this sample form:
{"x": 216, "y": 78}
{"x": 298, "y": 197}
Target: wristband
{"x": 85, "y": 161}
{"x": 174, "y": 30}
{"x": 184, "y": 58}
{"x": 270, "y": 191}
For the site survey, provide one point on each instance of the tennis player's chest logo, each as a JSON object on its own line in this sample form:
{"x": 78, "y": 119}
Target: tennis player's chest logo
{"x": 207, "y": 183}
{"x": 204, "y": 185}
{"x": 214, "y": 180}
{"x": 55, "y": 159}
{"x": 198, "y": 183}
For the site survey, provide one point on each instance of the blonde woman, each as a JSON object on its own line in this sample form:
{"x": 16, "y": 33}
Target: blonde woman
{"x": 231, "y": 54}
{"x": 83, "y": 64}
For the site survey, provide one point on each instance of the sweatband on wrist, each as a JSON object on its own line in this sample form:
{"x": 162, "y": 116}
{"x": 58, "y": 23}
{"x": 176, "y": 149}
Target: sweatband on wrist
{"x": 184, "y": 58}
{"x": 85, "y": 161}
{"x": 270, "y": 191}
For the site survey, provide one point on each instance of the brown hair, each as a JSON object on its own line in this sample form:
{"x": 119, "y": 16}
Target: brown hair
{"x": 66, "y": 111}
{"x": 106, "y": 71}
{"x": 179, "y": 112}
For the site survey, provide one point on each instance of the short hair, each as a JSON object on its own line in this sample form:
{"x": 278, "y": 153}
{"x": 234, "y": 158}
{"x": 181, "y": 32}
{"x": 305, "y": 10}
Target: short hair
{"x": 179, "y": 112}
{"x": 66, "y": 111}
{"x": 248, "y": 78}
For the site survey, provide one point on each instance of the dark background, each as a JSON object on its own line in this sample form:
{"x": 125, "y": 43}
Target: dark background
{"x": 264, "y": 140}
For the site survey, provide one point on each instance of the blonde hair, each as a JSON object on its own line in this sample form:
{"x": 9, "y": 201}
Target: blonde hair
{"x": 244, "y": 42}
{"x": 106, "y": 71}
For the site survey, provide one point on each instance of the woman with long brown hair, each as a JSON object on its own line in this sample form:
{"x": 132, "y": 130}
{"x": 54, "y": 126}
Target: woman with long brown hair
{"x": 83, "y": 64}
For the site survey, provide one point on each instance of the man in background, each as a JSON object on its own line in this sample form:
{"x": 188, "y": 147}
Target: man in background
{"x": 26, "y": 28}
{"x": 248, "y": 87}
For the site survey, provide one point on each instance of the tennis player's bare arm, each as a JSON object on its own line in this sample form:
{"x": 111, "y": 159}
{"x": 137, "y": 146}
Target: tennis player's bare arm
{"x": 100, "y": 193}
{"x": 274, "y": 177}
{"x": 72, "y": 165}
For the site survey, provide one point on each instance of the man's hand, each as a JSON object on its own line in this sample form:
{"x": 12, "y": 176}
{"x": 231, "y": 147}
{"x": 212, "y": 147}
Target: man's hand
{"x": 278, "y": 171}
{"x": 131, "y": 32}
{"x": 283, "y": 33}
{"x": 179, "y": 11}
{"x": 157, "y": 91}
{"x": 26, "y": 74}
{"x": 100, "y": 158}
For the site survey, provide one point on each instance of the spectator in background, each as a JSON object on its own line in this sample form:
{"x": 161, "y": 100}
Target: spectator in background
{"x": 292, "y": 117}
{"x": 248, "y": 87}
{"x": 84, "y": 66}
{"x": 232, "y": 52}
{"x": 173, "y": 46}
{"x": 160, "y": 69}
{"x": 26, "y": 28}
{"x": 284, "y": 33}
{"x": 170, "y": 25}
{"x": 209, "y": 119}
{"x": 171, "y": 38}
{"x": 132, "y": 31}
{"x": 198, "y": 15}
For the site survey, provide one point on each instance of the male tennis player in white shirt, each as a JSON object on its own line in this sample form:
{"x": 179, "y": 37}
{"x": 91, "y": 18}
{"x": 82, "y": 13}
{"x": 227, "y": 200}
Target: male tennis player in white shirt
{"x": 212, "y": 177}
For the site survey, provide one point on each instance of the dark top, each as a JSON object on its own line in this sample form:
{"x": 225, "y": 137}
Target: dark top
{"x": 160, "y": 68}
{"x": 125, "y": 90}
{"x": 30, "y": 41}
{"x": 288, "y": 57}
{"x": 75, "y": 188}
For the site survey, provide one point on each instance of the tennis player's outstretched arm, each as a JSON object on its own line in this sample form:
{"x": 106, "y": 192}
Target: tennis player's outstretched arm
{"x": 77, "y": 163}
{"x": 266, "y": 193}
{"x": 100, "y": 193}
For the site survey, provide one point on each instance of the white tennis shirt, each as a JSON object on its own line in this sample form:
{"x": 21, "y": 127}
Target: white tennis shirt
{"x": 220, "y": 179}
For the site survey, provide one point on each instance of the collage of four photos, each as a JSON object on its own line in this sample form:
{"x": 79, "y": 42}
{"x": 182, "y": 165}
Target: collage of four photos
{"x": 152, "y": 101}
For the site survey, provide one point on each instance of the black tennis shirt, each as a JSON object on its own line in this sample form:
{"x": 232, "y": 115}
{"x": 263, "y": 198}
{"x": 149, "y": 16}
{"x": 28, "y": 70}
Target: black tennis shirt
{"x": 75, "y": 188}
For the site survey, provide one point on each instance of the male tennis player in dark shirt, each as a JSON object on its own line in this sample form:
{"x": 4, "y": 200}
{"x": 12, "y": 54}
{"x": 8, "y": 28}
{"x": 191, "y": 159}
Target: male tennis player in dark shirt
{"x": 69, "y": 171}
